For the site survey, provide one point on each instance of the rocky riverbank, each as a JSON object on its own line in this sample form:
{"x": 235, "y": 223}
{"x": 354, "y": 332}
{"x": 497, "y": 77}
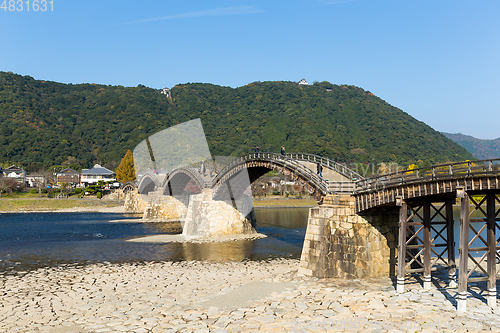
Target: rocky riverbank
{"x": 248, "y": 296}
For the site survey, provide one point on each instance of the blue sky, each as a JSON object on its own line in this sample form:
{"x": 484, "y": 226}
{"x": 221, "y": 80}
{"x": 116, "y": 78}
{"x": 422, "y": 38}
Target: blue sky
{"x": 437, "y": 60}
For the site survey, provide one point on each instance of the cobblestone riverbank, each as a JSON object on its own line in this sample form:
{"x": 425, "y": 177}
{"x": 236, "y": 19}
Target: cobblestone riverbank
{"x": 248, "y": 296}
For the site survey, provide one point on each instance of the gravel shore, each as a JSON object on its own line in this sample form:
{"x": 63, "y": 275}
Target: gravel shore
{"x": 248, "y": 296}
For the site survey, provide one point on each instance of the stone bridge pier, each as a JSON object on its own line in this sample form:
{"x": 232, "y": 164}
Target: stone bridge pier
{"x": 340, "y": 243}
{"x": 208, "y": 217}
{"x": 203, "y": 216}
{"x": 155, "y": 206}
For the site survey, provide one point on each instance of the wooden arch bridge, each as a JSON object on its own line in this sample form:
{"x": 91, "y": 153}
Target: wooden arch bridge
{"x": 424, "y": 197}
{"x": 299, "y": 167}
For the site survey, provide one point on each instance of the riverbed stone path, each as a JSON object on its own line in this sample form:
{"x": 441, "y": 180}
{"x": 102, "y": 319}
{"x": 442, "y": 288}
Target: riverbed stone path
{"x": 231, "y": 296}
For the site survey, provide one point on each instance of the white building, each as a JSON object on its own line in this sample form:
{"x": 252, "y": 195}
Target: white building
{"x": 303, "y": 82}
{"x": 16, "y": 173}
{"x": 34, "y": 180}
{"x": 97, "y": 173}
{"x": 166, "y": 91}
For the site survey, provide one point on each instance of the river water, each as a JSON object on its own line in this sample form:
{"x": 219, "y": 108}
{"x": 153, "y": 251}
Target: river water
{"x": 31, "y": 240}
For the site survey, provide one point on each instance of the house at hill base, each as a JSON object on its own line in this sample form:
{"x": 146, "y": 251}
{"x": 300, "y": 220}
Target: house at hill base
{"x": 15, "y": 173}
{"x": 68, "y": 176}
{"x": 36, "y": 179}
{"x": 94, "y": 175}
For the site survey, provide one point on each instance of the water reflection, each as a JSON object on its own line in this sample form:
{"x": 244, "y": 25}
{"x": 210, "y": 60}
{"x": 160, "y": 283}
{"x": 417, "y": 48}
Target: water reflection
{"x": 290, "y": 218}
{"x": 238, "y": 250}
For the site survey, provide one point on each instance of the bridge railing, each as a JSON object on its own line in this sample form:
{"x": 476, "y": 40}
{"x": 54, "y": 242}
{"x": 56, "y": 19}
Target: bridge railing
{"x": 328, "y": 163}
{"x": 301, "y": 169}
{"x": 440, "y": 171}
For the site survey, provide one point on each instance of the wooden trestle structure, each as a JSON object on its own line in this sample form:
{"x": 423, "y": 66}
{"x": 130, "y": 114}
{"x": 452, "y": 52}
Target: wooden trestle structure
{"x": 426, "y": 223}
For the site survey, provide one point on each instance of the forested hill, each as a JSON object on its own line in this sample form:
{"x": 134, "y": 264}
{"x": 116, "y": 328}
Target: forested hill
{"x": 479, "y": 148}
{"x": 46, "y": 123}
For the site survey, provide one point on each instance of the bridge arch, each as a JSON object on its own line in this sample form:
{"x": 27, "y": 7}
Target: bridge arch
{"x": 258, "y": 165}
{"x": 148, "y": 183}
{"x": 182, "y": 180}
{"x": 129, "y": 186}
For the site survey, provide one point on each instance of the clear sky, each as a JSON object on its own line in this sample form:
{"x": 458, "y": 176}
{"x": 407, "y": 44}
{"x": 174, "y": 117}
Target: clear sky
{"x": 438, "y": 60}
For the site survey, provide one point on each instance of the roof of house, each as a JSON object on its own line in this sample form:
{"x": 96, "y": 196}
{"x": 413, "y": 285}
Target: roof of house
{"x": 97, "y": 170}
{"x": 13, "y": 168}
{"x": 68, "y": 170}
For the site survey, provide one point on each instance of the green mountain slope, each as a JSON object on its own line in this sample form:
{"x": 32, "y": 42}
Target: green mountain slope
{"x": 479, "y": 148}
{"x": 44, "y": 123}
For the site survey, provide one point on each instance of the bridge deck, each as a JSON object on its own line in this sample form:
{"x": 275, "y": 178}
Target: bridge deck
{"x": 440, "y": 180}
{"x": 439, "y": 189}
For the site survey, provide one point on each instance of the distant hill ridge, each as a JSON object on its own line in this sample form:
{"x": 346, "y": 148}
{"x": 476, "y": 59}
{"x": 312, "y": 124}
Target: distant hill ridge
{"x": 479, "y": 148}
{"x": 44, "y": 123}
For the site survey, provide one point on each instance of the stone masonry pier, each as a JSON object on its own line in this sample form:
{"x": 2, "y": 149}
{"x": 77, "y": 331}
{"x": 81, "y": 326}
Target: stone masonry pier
{"x": 208, "y": 217}
{"x": 203, "y": 216}
{"x": 340, "y": 243}
{"x": 155, "y": 206}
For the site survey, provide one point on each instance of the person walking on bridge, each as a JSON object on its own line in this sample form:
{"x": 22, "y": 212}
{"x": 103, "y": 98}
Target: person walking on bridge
{"x": 202, "y": 168}
{"x": 257, "y": 150}
{"x": 319, "y": 169}
{"x": 282, "y": 150}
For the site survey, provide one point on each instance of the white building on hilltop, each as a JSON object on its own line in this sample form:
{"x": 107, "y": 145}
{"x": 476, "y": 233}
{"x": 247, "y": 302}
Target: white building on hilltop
{"x": 166, "y": 91}
{"x": 303, "y": 82}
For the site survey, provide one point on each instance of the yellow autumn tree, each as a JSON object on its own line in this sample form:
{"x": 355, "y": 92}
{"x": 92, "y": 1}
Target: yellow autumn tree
{"x": 125, "y": 171}
{"x": 411, "y": 167}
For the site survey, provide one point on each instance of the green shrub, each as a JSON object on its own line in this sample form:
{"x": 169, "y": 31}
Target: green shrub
{"x": 33, "y": 191}
{"x": 78, "y": 190}
{"x": 44, "y": 190}
{"x": 99, "y": 195}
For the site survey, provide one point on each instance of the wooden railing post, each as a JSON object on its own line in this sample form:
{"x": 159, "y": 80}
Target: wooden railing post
{"x": 427, "y": 245}
{"x": 463, "y": 254}
{"x": 403, "y": 216}
{"x": 492, "y": 248}
{"x": 450, "y": 238}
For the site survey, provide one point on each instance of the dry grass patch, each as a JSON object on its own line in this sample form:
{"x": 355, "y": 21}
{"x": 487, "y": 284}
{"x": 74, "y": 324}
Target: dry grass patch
{"x": 51, "y": 204}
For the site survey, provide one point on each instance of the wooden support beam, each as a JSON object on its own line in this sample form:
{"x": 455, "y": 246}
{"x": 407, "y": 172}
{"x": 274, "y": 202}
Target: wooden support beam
{"x": 403, "y": 217}
{"x": 463, "y": 254}
{"x": 450, "y": 238}
{"x": 427, "y": 245}
{"x": 492, "y": 247}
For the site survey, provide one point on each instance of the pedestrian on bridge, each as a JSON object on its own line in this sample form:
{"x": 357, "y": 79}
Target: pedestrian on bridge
{"x": 319, "y": 169}
{"x": 282, "y": 150}
{"x": 257, "y": 149}
{"x": 202, "y": 168}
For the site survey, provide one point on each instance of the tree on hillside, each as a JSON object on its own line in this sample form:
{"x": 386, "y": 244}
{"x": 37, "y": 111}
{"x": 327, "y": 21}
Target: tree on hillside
{"x": 125, "y": 171}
